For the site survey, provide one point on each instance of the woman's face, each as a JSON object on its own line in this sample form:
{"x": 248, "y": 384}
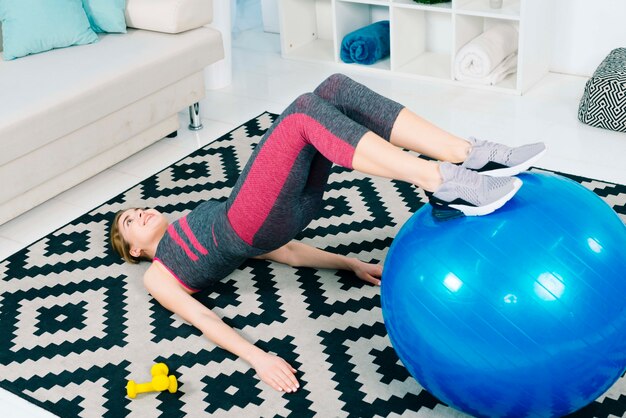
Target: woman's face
{"x": 142, "y": 228}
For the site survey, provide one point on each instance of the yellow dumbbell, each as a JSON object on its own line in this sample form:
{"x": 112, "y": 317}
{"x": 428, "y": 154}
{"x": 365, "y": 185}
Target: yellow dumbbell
{"x": 160, "y": 382}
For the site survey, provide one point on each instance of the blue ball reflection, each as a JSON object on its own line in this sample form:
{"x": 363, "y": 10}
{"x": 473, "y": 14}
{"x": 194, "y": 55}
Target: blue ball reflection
{"x": 518, "y": 313}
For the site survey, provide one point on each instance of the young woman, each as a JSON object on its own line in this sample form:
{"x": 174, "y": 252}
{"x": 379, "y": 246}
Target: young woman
{"x": 280, "y": 191}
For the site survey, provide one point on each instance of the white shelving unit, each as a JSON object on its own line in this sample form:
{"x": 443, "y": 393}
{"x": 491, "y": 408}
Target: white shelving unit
{"x": 424, "y": 38}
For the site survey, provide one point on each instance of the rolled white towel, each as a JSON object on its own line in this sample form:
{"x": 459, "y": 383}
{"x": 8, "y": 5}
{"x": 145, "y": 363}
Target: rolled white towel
{"x": 496, "y": 48}
{"x": 506, "y": 67}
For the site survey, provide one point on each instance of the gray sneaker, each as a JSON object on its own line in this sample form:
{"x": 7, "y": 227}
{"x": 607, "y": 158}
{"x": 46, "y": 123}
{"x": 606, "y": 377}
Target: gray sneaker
{"x": 498, "y": 160}
{"x": 466, "y": 192}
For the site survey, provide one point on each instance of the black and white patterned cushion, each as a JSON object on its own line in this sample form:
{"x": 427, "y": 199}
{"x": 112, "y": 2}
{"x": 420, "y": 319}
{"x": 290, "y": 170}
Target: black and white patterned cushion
{"x": 603, "y": 104}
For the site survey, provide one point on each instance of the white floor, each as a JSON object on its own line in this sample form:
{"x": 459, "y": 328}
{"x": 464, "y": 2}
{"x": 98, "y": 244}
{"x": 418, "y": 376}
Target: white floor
{"x": 262, "y": 80}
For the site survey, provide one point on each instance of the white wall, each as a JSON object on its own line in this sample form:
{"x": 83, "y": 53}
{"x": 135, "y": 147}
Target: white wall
{"x": 585, "y": 31}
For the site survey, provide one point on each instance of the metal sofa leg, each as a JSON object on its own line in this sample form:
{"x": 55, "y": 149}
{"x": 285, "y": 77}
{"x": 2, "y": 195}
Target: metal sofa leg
{"x": 195, "y": 123}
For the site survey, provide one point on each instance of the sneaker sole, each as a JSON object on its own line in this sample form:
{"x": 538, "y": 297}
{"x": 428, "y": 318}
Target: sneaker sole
{"x": 511, "y": 171}
{"x": 487, "y": 209}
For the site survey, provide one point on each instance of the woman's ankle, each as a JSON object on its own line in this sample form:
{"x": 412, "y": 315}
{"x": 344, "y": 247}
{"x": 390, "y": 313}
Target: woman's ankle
{"x": 431, "y": 179}
{"x": 459, "y": 153}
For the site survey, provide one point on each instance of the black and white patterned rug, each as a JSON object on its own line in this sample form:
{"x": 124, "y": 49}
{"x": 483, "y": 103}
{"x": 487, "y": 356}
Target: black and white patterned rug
{"x": 76, "y": 323}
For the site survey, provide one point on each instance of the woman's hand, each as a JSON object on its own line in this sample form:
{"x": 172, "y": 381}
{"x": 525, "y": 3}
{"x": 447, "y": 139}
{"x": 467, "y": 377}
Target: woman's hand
{"x": 275, "y": 371}
{"x": 370, "y": 273}
{"x": 167, "y": 290}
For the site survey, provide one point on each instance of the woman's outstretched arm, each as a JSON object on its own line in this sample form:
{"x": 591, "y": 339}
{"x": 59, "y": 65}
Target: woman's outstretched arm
{"x": 298, "y": 254}
{"x": 271, "y": 369}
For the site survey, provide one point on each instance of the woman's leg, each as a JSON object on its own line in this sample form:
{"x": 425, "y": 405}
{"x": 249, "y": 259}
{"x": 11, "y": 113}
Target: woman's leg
{"x": 265, "y": 205}
{"x": 403, "y": 128}
{"x": 416, "y": 133}
{"x": 364, "y": 106}
{"x": 391, "y": 120}
{"x": 375, "y": 156}
{"x": 493, "y": 159}
{"x": 453, "y": 191}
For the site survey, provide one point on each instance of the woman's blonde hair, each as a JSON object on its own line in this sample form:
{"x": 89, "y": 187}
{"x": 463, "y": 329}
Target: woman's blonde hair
{"x": 119, "y": 244}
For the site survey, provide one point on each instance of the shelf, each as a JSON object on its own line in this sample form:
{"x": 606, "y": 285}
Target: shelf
{"x": 424, "y": 39}
{"x": 469, "y": 27}
{"x": 384, "y": 64}
{"x": 316, "y": 50}
{"x": 428, "y": 64}
{"x": 419, "y": 35}
{"x": 510, "y": 9}
{"x": 509, "y": 84}
{"x": 369, "y": 2}
{"x": 437, "y": 7}
{"x": 307, "y": 29}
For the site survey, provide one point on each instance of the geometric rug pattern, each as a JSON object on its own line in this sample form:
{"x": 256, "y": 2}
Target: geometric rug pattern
{"x": 76, "y": 322}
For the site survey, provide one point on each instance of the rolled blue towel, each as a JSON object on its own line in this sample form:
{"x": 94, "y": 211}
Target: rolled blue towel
{"x": 367, "y": 44}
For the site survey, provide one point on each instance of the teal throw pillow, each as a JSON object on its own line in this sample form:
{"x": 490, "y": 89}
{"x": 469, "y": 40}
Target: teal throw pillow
{"x": 33, "y": 26}
{"x": 106, "y": 15}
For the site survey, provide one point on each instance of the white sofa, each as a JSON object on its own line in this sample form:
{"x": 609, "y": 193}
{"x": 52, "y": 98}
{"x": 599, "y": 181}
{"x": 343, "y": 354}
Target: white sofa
{"x": 70, "y": 113}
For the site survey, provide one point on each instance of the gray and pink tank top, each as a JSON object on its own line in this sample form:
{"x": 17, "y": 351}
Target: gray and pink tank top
{"x": 201, "y": 247}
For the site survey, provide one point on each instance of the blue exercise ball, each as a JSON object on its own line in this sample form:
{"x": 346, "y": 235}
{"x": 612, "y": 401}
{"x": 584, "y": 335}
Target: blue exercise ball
{"x": 520, "y": 313}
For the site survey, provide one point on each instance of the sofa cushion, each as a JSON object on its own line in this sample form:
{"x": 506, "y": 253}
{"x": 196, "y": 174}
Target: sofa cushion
{"x": 33, "y": 26}
{"x": 106, "y": 15}
{"x": 171, "y": 16}
{"x": 84, "y": 84}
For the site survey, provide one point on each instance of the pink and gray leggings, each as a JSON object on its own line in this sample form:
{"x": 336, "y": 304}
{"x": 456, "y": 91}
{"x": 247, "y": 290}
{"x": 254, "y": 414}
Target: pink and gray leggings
{"x": 280, "y": 189}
